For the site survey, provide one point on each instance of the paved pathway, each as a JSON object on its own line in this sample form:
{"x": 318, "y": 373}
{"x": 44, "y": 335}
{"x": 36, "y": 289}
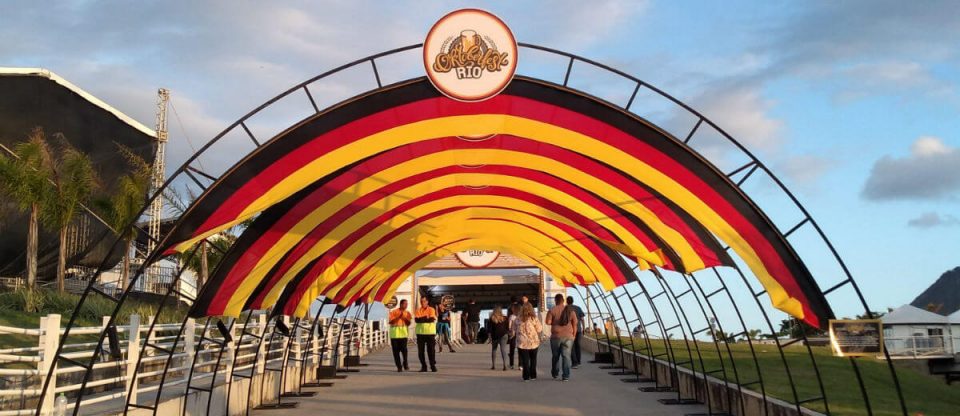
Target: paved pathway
{"x": 465, "y": 385}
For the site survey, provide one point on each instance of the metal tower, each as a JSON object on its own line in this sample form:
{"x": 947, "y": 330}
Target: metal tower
{"x": 156, "y": 208}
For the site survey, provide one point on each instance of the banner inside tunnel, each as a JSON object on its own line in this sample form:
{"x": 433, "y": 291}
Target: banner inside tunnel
{"x": 359, "y": 196}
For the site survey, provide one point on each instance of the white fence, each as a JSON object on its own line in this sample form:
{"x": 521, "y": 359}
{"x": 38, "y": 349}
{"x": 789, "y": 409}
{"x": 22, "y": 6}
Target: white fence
{"x": 24, "y": 369}
{"x": 929, "y": 346}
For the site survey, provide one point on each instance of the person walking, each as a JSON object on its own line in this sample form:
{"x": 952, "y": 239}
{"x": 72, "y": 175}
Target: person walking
{"x": 575, "y": 355}
{"x": 472, "y": 313}
{"x": 498, "y": 331}
{"x": 563, "y": 330}
{"x": 513, "y": 313}
{"x": 443, "y": 327}
{"x": 399, "y": 320}
{"x": 426, "y": 319}
{"x": 528, "y": 340}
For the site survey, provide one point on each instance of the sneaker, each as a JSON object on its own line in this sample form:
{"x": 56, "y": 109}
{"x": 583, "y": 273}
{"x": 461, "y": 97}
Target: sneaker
{"x": 452, "y": 351}
{"x": 576, "y": 366}
{"x": 526, "y": 380}
{"x": 566, "y": 379}
{"x": 434, "y": 369}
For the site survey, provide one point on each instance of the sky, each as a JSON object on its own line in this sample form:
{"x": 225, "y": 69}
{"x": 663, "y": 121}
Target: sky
{"x": 854, "y": 105}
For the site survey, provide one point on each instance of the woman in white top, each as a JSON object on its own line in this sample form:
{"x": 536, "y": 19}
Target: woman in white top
{"x": 528, "y": 329}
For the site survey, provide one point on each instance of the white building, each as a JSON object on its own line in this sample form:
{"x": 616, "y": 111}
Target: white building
{"x": 911, "y": 332}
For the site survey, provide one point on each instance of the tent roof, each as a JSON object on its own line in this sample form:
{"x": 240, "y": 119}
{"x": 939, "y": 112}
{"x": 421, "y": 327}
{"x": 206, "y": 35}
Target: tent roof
{"x": 45, "y": 73}
{"x": 909, "y": 314}
{"x": 954, "y": 317}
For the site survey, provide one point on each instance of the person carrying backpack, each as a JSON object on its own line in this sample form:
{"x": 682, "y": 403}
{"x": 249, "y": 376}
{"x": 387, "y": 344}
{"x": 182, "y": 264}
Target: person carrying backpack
{"x": 563, "y": 330}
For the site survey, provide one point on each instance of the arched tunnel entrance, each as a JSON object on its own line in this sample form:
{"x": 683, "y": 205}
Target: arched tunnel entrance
{"x": 330, "y": 215}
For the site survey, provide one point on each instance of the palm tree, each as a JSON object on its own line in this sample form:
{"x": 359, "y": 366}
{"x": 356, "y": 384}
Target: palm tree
{"x": 73, "y": 180}
{"x": 122, "y": 208}
{"x": 24, "y": 178}
{"x": 208, "y": 259}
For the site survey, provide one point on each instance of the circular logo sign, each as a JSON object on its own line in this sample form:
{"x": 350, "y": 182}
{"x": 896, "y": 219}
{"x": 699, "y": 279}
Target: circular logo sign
{"x": 477, "y": 258}
{"x": 392, "y": 303}
{"x": 447, "y": 301}
{"x": 470, "y": 55}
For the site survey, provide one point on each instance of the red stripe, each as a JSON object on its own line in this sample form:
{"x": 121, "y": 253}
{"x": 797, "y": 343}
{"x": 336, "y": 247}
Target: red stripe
{"x": 523, "y": 107}
{"x": 321, "y": 194}
{"x": 368, "y": 168}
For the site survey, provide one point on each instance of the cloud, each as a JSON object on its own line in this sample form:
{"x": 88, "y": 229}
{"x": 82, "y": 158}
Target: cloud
{"x": 575, "y": 24}
{"x": 909, "y": 80}
{"x": 933, "y": 219}
{"x": 930, "y": 172}
{"x": 743, "y": 113}
{"x": 804, "y": 170}
{"x": 889, "y": 47}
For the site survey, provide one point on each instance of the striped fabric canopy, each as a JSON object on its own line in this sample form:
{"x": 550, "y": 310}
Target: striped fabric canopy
{"x": 352, "y": 201}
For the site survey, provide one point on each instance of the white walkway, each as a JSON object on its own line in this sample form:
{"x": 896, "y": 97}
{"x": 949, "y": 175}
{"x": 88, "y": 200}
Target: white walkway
{"x": 465, "y": 385}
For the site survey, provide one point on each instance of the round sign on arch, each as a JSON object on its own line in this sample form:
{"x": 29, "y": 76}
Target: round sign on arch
{"x": 477, "y": 258}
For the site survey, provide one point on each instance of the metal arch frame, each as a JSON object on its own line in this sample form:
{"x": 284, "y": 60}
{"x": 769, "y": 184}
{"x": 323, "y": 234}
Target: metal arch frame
{"x": 187, "y": 170}
{"x": 670, "y": 353}
{"x": 682, "y": 317}
{"x": 668, "y": 346}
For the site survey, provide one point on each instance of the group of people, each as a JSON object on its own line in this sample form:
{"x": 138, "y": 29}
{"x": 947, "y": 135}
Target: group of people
{"x": 426, "y": 330}
{"x": 519, "y": 330}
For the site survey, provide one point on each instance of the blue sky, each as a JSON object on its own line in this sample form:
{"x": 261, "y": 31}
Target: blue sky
{"x": 853, "y": 104}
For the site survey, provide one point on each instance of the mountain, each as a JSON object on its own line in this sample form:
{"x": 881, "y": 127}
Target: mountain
{"x": 945, "y": 293}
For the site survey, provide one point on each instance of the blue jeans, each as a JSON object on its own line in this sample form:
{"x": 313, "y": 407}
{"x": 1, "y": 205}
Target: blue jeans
{"x": 561, "y": 348}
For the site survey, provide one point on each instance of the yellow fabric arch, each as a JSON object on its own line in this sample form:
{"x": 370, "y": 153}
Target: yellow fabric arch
{"x": 606, "y": 191}
{"x": 425, "y": 236}
{"x": 557, "y": 262}
{"x": 266, "y": 263}
{"x": 468, "y": 125}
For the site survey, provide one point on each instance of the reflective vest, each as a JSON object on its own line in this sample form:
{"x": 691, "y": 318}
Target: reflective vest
{"x": 399, "y": 331}
{"x": 426, "y": 328}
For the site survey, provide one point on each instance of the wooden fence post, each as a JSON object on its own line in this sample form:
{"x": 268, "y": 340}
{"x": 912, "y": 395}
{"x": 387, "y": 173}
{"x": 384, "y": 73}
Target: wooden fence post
{"x": 49, "y": 341}
{"x": 133, "y": 356}
{"x": 264, "y": 348}
{"x": 189, "y": 344}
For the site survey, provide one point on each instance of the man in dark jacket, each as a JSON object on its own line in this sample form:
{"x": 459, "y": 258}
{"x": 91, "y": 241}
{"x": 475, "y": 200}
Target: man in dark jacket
{"x": 575, "y": 355}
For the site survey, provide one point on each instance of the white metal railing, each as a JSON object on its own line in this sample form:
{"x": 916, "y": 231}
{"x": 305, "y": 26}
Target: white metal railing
{"x": 113, "y": 378}
{"x": 922, "y": 346}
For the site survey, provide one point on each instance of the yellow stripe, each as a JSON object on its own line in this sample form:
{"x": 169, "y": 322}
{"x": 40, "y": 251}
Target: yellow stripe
{"x": 290, "y": 239}
{"x": 516, "y": 247}
{"x": 535, "y": 130}
{"x": 422, "y": 238}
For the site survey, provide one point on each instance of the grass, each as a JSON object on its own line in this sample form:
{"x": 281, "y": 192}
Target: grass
{"x": 924, "y": 394}
{"x": 23, "y": 308}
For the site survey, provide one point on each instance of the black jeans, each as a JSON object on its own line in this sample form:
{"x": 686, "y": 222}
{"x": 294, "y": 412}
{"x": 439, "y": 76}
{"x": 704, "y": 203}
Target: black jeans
{"x": 513, "y": 349}
{"x": 399, "y": 346}
{"x": 528, "y": 360}
{"x": 575, "y": 356}
{"x": 428, "y": 344}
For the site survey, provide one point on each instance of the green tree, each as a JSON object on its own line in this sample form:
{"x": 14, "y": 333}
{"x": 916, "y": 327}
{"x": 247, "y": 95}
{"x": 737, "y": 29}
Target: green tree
{"x": 25, "y": 179}
{"x": 72, "y": 179}
{"x": 795, "y": 328}
{"x": 123, "y": 206}
{"x": 211, "y": 252}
